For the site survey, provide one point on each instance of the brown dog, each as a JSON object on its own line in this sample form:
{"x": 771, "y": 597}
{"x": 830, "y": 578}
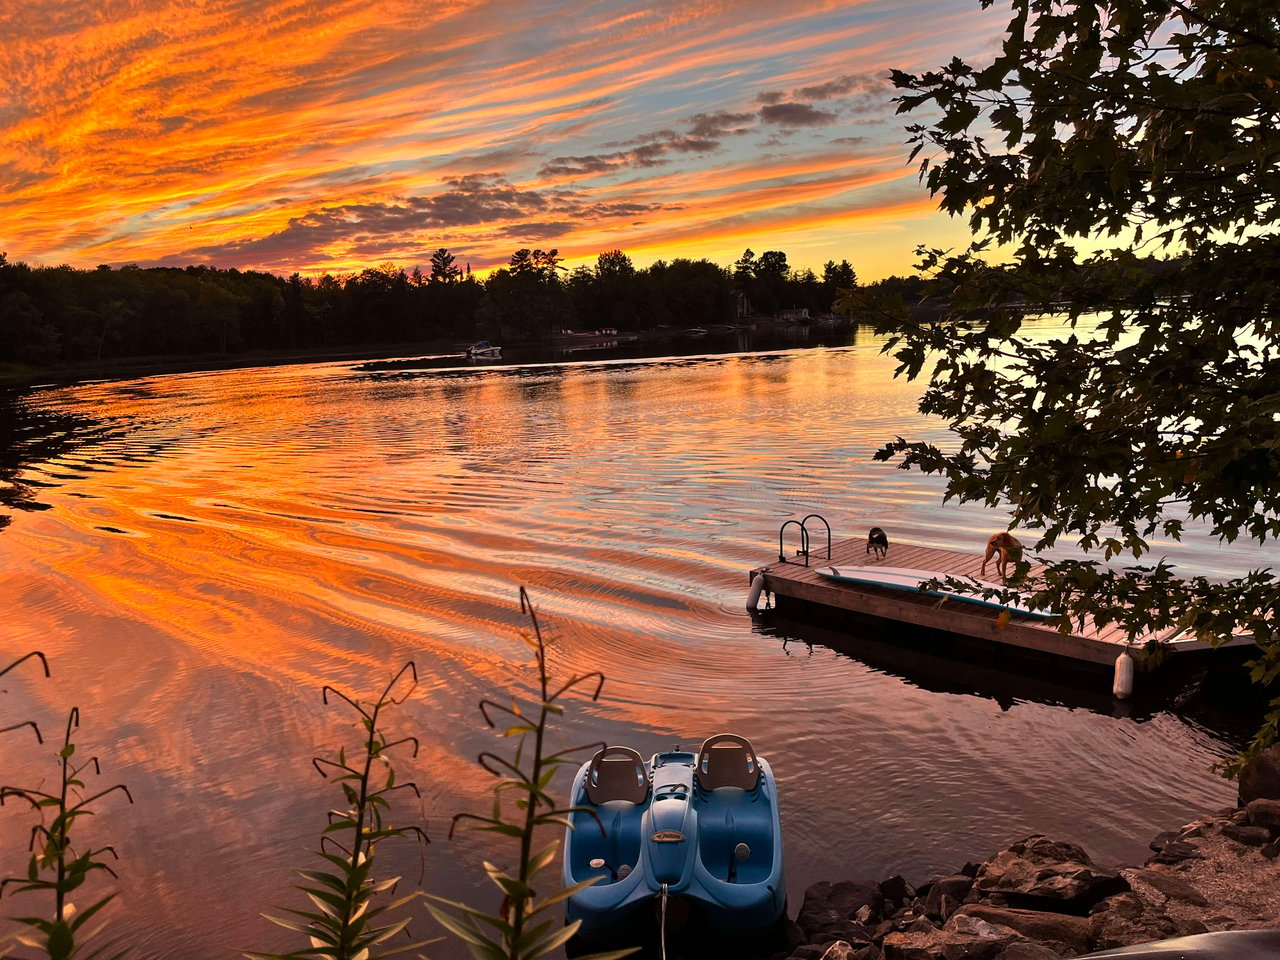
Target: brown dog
{"x": 1005, "y": 547}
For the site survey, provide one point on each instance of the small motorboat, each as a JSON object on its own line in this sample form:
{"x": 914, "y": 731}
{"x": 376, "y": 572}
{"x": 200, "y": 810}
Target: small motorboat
{"x": 483, "y": 349}
{"x": 692, "y": 836}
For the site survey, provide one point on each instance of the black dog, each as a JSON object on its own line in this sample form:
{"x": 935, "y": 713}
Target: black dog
{"x": 878, "y": 542}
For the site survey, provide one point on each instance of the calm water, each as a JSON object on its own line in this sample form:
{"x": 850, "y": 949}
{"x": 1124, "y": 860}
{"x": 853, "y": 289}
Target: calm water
{"x": 198, "y": 554}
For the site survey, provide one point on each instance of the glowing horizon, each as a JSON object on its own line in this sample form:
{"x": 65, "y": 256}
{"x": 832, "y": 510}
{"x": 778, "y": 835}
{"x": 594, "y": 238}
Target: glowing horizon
{"x": 338, "y": 135}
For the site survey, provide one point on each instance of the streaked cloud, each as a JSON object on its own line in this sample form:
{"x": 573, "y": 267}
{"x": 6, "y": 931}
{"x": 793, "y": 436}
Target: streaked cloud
{"x": 322, "y": 136}
{"x": 796, "y": 115}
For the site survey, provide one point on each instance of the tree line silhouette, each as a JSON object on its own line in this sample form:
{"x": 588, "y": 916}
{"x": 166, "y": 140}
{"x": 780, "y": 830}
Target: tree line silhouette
{"x": 58, "y": 315}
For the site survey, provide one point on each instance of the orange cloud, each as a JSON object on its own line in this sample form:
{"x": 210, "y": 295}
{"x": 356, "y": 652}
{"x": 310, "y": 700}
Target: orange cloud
{"x": 158, "y": 131}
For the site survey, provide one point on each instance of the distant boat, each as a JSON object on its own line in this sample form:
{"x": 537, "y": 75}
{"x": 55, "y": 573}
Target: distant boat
{"x": 701, "y": 828}
{"x": 483, "y": 349}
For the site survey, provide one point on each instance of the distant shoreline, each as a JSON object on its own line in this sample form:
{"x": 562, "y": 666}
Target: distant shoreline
{"x": 13, "y": 376}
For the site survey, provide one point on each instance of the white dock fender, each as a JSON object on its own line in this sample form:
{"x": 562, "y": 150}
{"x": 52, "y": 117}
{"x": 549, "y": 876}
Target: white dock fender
{"x": 753, "y": 595}
{"x": 1122, "y": 686}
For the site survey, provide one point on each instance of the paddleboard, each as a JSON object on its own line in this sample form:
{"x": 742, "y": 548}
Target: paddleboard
{"x": 904, "y": 578}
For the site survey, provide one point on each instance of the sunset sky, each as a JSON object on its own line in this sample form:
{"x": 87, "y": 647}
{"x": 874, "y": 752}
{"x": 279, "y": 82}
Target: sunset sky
{"x": 316, "y": 135}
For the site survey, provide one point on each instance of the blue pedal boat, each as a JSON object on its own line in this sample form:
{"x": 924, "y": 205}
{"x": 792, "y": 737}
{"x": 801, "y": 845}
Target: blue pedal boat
{"x": 686, "y": 834}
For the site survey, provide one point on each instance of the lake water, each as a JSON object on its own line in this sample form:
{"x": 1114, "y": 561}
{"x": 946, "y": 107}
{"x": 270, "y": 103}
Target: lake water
{"x": 198, "y": 554}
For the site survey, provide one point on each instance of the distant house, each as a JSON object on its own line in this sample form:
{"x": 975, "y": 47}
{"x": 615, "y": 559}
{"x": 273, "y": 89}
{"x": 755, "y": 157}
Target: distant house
{"x": 795, "y": 315}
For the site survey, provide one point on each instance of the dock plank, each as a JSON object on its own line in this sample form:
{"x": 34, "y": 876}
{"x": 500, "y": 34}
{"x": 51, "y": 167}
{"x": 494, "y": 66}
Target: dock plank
{"x": 794, "y": 580}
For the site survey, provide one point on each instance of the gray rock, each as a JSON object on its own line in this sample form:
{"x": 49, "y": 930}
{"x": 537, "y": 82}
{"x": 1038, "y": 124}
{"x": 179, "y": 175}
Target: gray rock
{"x": 1026, "y": 950}
{"x": 1175, "y": 851}
{"x": 834, "y": 950}
{"x": 921, "y": 925}
{"x": 1173, "y": 888}
{"x": 882, "y": 930}
{"x": 1249, "y": 836}
{"x": 1039, "y": 870}
{"x": 1124, "y": 919}
{"x": 1190, "y": 926}
{"x": 791, "y": 933}
{"x": 1261, "y": 776}
{"x": 828, "y": 906}
{"x": 808, "y": 951}
{"x": 837, "y": 950}
{"x": 896, "y": 889}
{"x": 976, "y": 940}
{"x": 947, "y": 908}
{"x": 1161, "y": 839}
{"x": 1033, "y": 924}
{"x": 1264, "y": 812}
{"x": 956, "y": 887}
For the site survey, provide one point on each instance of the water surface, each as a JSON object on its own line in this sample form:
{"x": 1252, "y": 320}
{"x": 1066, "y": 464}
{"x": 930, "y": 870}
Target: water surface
{"x": 198, "y": 554}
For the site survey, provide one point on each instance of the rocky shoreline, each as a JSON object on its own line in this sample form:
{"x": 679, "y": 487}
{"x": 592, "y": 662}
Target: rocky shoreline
{"x": 1040, "y": 899}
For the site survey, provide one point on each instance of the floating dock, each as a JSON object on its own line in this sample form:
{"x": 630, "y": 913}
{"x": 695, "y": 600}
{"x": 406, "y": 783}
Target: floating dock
{"x": 799, "y": 588}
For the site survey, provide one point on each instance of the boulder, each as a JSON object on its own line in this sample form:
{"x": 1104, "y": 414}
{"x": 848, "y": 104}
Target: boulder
{"x": 1249, "y": 836}
{"x": 1264, "y": 812}
{"x": 1260, "y": 777}
{"x": 976, "y": 940}
{"x": 1039, "y": 872}
{"x": 1170, "y": 886}
{"x": 896, "y": 890}
{"x": 1175, "y": 851}
{"x": 836, "y": 950}
{"x": 791, "y": 933}
{"x": 955, "y": 888}
{"x": 1128, "y": 918}
{"x": 1035, "y": 924}
{"x": 947, "y": 907}
{"x": 829, "y": 908}
{"x": 1026, "y": 950}
{"x": 1161, "y": 839}
{"x": 1123, "y": 920}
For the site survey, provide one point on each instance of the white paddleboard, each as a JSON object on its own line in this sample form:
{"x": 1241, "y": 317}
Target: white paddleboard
{"x": 904, "y": 578}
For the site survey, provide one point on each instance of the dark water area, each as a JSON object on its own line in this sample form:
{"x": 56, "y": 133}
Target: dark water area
{"x": 767, "y": 336}
{"x": 198, "y": 554}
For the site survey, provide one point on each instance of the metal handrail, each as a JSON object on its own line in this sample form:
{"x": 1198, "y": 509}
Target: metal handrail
{"x": 804, "y": 526}
{"x": 804, "y": 542}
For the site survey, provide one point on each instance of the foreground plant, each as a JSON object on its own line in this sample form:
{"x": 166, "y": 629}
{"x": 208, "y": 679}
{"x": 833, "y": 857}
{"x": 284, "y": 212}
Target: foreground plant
{"x": 526, "y": 926}
{"x": 345, "y": 924}
{"x": 26, "y": 723}
{"x": 54, "y": 866}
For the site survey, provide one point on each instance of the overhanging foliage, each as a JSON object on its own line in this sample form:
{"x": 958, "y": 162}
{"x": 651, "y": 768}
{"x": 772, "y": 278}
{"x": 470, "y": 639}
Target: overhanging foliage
{"x": 1148, "y": 127}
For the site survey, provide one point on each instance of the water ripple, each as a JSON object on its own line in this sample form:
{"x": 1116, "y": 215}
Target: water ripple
{"x": 220, "y": 545}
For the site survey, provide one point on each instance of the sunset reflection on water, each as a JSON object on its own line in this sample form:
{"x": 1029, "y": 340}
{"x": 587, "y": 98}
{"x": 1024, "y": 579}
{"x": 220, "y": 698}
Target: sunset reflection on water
{"x": 218, "y": 546}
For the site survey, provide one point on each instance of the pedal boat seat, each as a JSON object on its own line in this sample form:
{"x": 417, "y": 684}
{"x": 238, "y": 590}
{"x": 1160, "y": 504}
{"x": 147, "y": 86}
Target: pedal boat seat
{"x": 727, "y": 760}
{"x": 617, "y": 773}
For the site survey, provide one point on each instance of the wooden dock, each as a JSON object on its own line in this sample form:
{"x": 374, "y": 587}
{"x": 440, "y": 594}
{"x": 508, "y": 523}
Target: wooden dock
{"x": 797, "y": 587}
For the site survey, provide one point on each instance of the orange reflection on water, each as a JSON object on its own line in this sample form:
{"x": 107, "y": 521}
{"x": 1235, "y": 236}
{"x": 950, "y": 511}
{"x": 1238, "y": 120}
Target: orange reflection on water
{"x": 239, "y": 539}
